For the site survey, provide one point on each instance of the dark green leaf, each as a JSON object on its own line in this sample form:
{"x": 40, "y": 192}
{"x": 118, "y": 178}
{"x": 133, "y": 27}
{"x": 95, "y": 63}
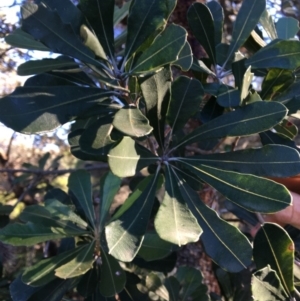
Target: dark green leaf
{"x": 266, "y": 285}
{"x": 121, "y": 12}
{"x": 253, "y": 118}
{"x": 185, "y": 58}
{"x": 145, "y": 19}
{"x": 186, "y": 96}
{"x": 48, "y": 79}
{"x": 79, "y": 265}
{"x": 46, "y": 26}
{"x": 164, "y": 50}
{"x": 221, "y": 56}
{"x": 248, "y": 191}
{"x": 43, "y": 271}
{"x": 202, "y": 25}
{"x": 154, "y": 248}
{"x": 199, "y": 66}
{"x": 238, "y": 70}
{"x": 89, "y": 282}
{"x": 270, "y": 160}
{"x": 286, "y": 129}
{"x": 174, "y": 222}
{"x": 31, "y": 234}
{"x": 228, "y": 97}
{"x": 173, "y": 287}
{"x": 113, "y": 277}
{"x": 21, "y": 39}
{"x": 43, "y": 160}
{"x": 124, "y": 236}
{"x": 246, "y": 20}
{"x": 128, "y": 157}
{"x": 287, "y": 28}
{"x": 276, "y": 82}
{"x": 266, "y": 20}
{"x": 100, "y": 16}
{"x": 280, "y": 54}
{"x": 224, "y": 243}
{"x": 132, "y": 122}
{"x": 218, "y": 17}
{"x": 37, "y": 109}
{"x": 19, "y": 291}
{"x": 274, "y": 247}
{"x": 80, "y": 185}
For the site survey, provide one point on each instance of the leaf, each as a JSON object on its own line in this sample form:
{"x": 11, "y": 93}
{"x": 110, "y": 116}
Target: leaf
{"x": 224, "y": 243}
{"x": 174, "y": 222}
{"x": 113, "y": 277}
{"x": 218, "y": 17}
{"x": 274, "y": 247}
{"x": 246, "y": 20}
{"x": 79, "y": 184}
{"x": 270, "y": 160}
{"x": 128, "y": 157}
{"x": 43, "y": 160}
{"x": 287, "y": 28}
{"x": 228, "y": 97}
{"x": 248, "y": 191}
{"x": 253, "y": 118}
{"x": 124, "y": 236}
{"x": 144, "y": 20}
{"x": 164, "y": 50}
{"x": 185, "y": 58}
{"x": 121, "y": 12}
{"x": 280, "y": 54}
{"x": 89, "y": 282}
{"x": 132, "y": 122}
{"x": 21, "y": 39}
{"x": 156, "y": 92}
{"x": 79, "y": 265}
{"x": 46, "y": 26}
{"x": 100, "y": 17}
{"x": 110, "y": 184}
{"x": 246, "y": 84}
{"x": 96, "y": 139}
{"x": 201, "y": 23}
{"x": 286, "y": 129}
{"x": 266, "y": 285}
{"x": 154, "y": 248}
{"x": 277, "y": 81}
{"x": 266, "y": 20}
{"x": 186, "y": 97}
{"x": 238, "y": 70}
{"x": 199, "y": 66}
{"x": 221, "y": 56}
{"x": 19, "y": 291}
{"x": 191, "y": 281}
{"x": 38, "y": 109}
{"x": 43, "y": 271}
{"x": 173, "y": 287}
{"x": 31, "y": 234}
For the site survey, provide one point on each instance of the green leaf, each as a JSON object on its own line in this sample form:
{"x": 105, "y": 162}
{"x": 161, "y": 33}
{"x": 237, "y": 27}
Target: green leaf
{"x": 164, "y": 50}
{"x": 31, "y": 234}
{"x": 43, "y": 271}
{"x": 174, "y": 222}
{"x": 266, "y": 285}
{"x": 124, "y": 236}
{"x": 186, "y": 97}
{"x": 145, "y": 19}
{"x": 286, "y": 129}
{"x": 173, "y": 287}
{"x": 238, "y": 70}
{"x": 201, "y": 23}
{"x": 79, "y": 184}
{"x": 79, "y": 265}
{"x": 89, "y": 282}
{"x": 221, "y": 56}
{"x": 267, "y": 22}
{"x": 156, "y": 92}
{"x": 218, "y": 17}
{"x": 274, "y": 247}
{"x": 38, "y": 109}
{"x": 185, "y": 58}
{"x": 270, "y": 160}
{"x": 277, "y": 81}
{"x": 199, "y": 66}
{"x": 96, "y": 139}
{"x": 224, "y": 243}
{"x": 128, "y": 157}
{"x": 228, "y": 97}
{"x": 46, "y": 26}
{"x": 21, "y": 39}
{"x": 248, "y": 191}
{"x": 110, "y": 184}
{"x": 43, "y": 160}
{"x": 100, "y": 17}
{"x": 113, "y": 277}
{"x": 253, "y": 118}
{"x": 280, "y": 54}
{"x": 246, "y": 20}
{"x": 121, "y": 12}
{"x": 287, "y": 28}
{"x": 154, "y": 248}
{"x": 132, "y": 122}
{"x": 191, "y": 281}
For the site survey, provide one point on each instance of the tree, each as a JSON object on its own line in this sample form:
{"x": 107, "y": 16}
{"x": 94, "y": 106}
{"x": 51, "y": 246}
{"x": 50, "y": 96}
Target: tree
{"x": 129, "y": 111}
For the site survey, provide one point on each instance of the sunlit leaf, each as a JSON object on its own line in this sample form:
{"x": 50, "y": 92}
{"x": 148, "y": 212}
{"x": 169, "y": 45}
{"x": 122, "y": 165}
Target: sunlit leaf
{"x": 287, "y": 28}
{"x": 267, "y": 22}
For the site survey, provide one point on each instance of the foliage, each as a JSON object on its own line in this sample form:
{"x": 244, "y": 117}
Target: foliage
{"x": 129, "y": 106}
